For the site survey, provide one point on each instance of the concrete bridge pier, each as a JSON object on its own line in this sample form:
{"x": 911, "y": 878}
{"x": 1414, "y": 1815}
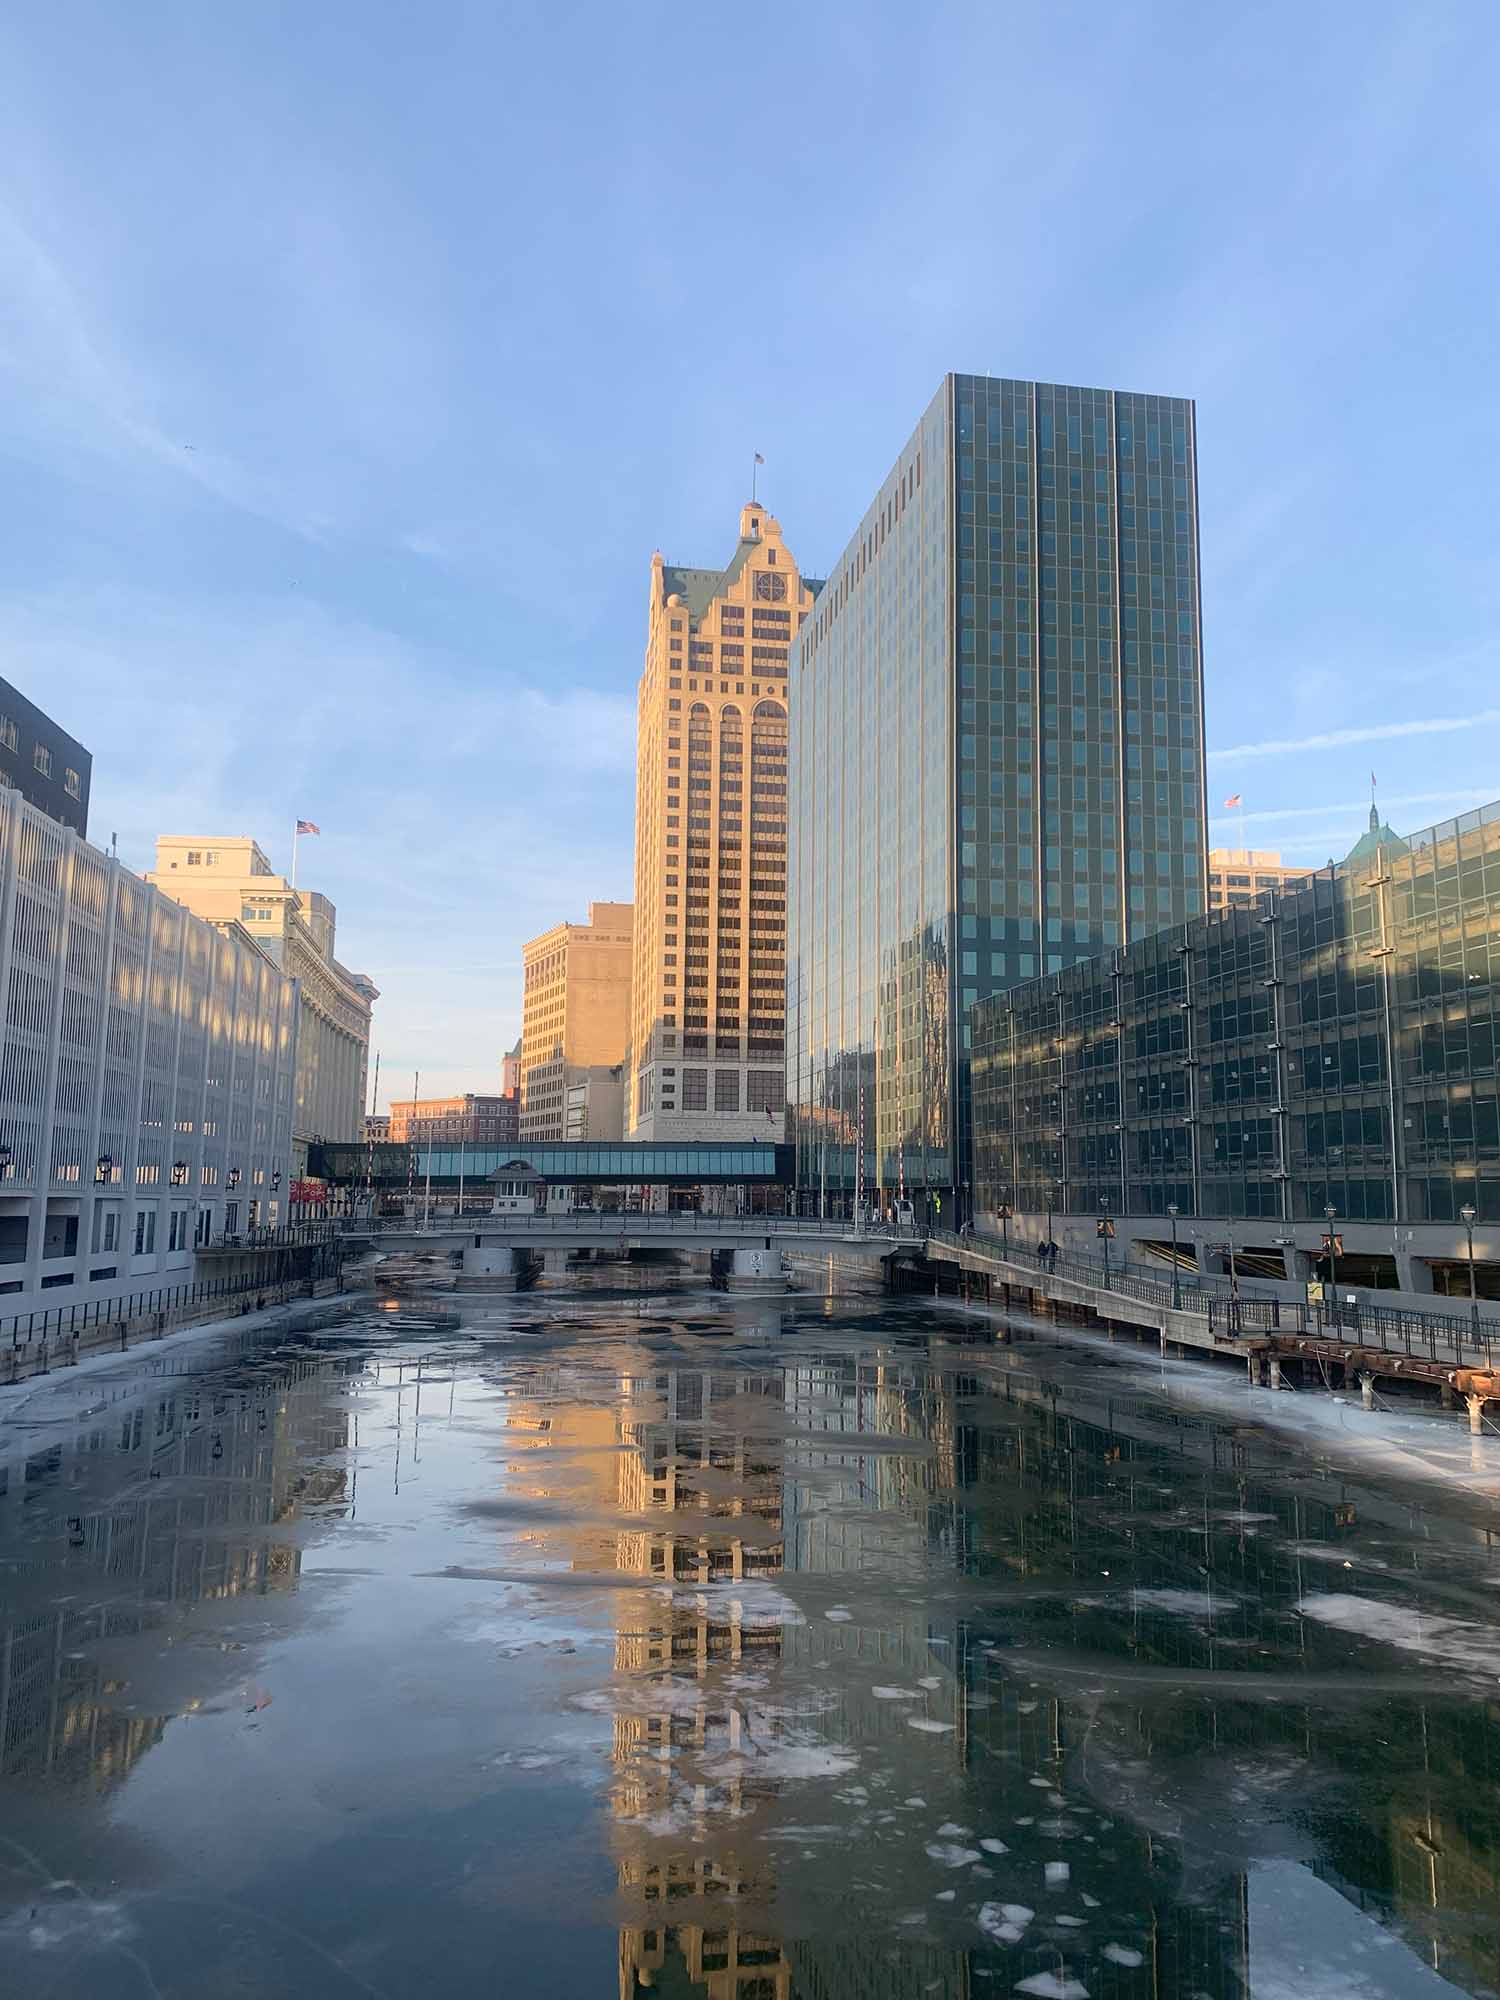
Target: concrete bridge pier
{"x": 488, "y": 1267}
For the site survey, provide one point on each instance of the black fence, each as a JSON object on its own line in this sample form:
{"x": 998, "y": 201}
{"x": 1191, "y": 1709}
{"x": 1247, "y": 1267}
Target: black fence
{"x": 288, "y": 1236}
{"x": 63, "y": 1323}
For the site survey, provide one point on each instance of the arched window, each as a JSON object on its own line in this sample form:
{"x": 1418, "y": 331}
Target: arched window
{"x": 770, "y": 708}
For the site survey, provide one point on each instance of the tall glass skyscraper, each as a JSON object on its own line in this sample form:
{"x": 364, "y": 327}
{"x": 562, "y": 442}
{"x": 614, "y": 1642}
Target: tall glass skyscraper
{"x": 996, "y": 762}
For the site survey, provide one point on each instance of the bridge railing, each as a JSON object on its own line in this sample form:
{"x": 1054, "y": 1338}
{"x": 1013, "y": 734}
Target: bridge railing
{"x": 623, "y": 1222}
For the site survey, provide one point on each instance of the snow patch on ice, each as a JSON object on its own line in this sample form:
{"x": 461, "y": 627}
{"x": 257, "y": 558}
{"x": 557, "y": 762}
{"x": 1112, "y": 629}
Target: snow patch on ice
{"x": 1191, "y": 1603}
{"x": 1121, "y": 1954}
{"x": 1004, "y": 1922}
{"x": 1053, "y": 1986}
{"x": 1452, "y": 1640}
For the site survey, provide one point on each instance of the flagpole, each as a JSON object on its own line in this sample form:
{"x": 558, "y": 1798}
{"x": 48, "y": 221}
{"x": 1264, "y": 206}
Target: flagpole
{"x": 296, "y": 836}
{"x": 754, "y": 476}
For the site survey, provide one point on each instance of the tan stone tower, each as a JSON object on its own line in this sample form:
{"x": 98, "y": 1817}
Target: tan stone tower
{"x": 708, "y": 989}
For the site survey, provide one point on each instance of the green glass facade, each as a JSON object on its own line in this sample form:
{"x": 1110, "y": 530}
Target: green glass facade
{"x": 996, "y": 757}
{"x": 1332, "y": 1045}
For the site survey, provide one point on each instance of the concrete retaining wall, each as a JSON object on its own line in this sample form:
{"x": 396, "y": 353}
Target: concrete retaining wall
{"x": 41, "y": 1357}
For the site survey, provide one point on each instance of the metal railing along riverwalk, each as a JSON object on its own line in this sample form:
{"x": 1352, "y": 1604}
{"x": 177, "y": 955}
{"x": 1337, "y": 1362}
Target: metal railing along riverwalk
{"x": 1437, "y": 1337}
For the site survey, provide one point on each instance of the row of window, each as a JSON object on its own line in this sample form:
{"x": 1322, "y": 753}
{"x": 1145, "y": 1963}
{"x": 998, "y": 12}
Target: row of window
{"x": 41, "y": 758}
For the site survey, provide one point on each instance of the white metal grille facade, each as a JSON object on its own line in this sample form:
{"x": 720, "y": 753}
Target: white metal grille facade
{"x": 147, "y": 1065}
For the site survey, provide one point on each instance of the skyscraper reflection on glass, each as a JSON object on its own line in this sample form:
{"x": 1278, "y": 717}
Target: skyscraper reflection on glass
{"x": 996, "y": 759}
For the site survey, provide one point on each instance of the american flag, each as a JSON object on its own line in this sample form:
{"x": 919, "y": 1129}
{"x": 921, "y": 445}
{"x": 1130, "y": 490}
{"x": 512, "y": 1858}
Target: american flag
{"x": 306, "y": 826}
{"x": 1234, "y": 801}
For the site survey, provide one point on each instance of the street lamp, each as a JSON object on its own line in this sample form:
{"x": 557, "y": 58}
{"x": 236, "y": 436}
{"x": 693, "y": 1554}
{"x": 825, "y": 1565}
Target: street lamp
{"x": 104, "y": 1167}
{"x": 179, "y": 1173}
{"x": 1333, "y": 1262}
{"x": 1234, "y": 1279}
{"x": 1106, "y": 1230}
{"x": 1048, "y": 1237}
{"x": 5, "y": 1161}
{"x": 1004, "y": 1220}
{"x": 1466, "y": 1216}
{"x": 1173, "y": 1211}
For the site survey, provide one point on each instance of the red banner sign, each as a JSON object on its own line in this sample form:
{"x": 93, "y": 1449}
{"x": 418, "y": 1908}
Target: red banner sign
{"x": 310, "y": 1192}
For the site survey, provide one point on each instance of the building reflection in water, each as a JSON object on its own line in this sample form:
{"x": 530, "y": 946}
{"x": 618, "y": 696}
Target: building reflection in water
{"x": 1003, "y": 1528}
{"x": 134, "y": 1518}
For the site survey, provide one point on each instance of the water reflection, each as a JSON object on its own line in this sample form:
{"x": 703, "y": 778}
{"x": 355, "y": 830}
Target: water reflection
{"x": 124, "y": 1527}
{"x": 846, "y": 1656}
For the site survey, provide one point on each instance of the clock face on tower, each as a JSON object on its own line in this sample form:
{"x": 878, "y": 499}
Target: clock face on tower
{"x": 769, "y": 587}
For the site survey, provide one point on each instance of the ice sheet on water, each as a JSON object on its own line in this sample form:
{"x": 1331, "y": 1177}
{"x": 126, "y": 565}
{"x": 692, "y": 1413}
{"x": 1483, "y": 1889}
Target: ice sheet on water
{"x": 896, "y": 1694}
{"x": 74, "y": 1922}
{"x": 1053, "y": 1986}
{"x": 1056, "y": 1874}
{"x": 1453, "y": 1640}
{"x": 1004, "y": 1922}
{"x": 1190, "y": 1603}
{"x": 992, "y": 1846}
{"x": 949, "y": 1854}
{"x": 1330, "y": 1552}
{"x": 929, "y": 1727}
{"x": 786, "y": 1760}
{"x": 757, "y": 1603}
{"x": 1123, "y": 1954}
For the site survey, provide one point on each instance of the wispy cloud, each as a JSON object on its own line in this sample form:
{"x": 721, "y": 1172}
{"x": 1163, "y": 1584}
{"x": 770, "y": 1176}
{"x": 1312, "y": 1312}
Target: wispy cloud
{"x": 1453, "y": 801}
{"x": 1373, "y": 732}
{"x": 459, "y": 817}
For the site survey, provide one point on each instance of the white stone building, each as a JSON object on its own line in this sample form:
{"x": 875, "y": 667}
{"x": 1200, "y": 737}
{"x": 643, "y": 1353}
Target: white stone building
{"x": 147, "y": 1070}
{"x": 228, "y": 881}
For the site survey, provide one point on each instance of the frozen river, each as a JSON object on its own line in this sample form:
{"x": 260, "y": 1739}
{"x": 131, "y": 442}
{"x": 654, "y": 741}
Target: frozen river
{"x": 614, "y": 1643}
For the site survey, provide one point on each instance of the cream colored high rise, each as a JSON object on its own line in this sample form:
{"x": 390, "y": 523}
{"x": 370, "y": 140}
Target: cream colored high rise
{"x": 575, "y": 1019}
{"x": 708, "y": 993}
{"x": 229, "y": 882}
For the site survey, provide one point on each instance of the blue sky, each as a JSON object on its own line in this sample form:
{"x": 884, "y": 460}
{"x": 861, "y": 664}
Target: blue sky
{"x": 355, "y": 357}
